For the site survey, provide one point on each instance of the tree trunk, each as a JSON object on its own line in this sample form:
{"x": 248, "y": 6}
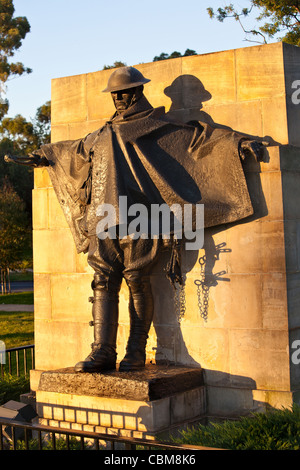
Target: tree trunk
{"x": 5, "y": 281}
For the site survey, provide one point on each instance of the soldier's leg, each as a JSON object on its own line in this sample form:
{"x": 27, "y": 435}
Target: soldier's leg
{"x": 106, "y": 286}
{"x": 141, "y": 314}
{"x": 139, "y": 258}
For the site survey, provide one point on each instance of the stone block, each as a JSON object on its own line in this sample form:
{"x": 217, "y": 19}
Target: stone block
{"x": 289, "y": 157}
{"x": 275, "y": 160}
{"x": 274, "y": 120}
{"x": 99, "y": 105}
{"x": 241, "y": 116}
{"x": 274, "y": 303}
{"x": 162, "y": 74}
{"x": 118, "y": 402}
{"x": 82, "y": 265}
{"x": 78, "y": 130}
{"x": 187, "y": 405}
{"x": 293, "y": 299}
{"x": 292, "y": 245}
{"x": 291, "y": 194}
{"x": 61, "y": 344}
{"x": 41, "y": 178}
{"x": 60, "y": 132}
{"x": 230, "y": 301}
{"x": 229, "y": 402}
{"x": 252, "y": 84}
{"x": 70, "y": 297}
{"x": 257, "y": 247}
{"x": 35, "y": 375}
{"x": 265, "y": 192}
{"x": 68, "y": 99}
{"x": 208, "y": 68}
{"x": 56, "y": 217}
{"x": 40, "y": 209}
{"x": 152, "y": 383}
{"x": 268, "y": 399}
{"x": 164, "y": 300}
{"x": 207, "y": 347}
{"x": 162, "y": 344}
{"x": 251, "y": 350}
{"x": 49, "y": 242}
{"x": 123, "y": 305}
{"x": 42, "y": 296}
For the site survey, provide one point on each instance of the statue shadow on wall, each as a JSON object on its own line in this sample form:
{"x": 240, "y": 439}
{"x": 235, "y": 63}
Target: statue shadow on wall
{"x": 187, "y": 94}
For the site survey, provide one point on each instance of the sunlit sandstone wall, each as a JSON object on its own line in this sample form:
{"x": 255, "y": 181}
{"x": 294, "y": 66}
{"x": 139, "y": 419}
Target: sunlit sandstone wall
{"x": 251, "y": 268}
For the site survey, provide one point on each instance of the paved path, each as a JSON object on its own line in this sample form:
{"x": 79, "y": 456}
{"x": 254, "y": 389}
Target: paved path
{"x": 15, "y": 308}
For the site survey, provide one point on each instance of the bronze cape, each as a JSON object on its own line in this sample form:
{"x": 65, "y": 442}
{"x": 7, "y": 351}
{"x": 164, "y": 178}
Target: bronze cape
{"x": 151, "y": 160}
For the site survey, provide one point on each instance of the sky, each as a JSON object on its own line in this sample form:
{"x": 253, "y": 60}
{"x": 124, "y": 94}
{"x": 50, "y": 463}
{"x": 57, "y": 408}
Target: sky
{"x": 70, "y": 37}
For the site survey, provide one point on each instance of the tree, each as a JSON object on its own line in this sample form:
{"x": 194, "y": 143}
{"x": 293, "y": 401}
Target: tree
{"x": 117, "y": 63}
{"x": 15, "y": 233}
{"x": 12, "y": 32}
{"x": 174, "y": 55}
{"x": 282, "y": 16}
{"x": 42, "y": 124}
{"x": 162, "y": 56}
{"x": 20, "y": 137}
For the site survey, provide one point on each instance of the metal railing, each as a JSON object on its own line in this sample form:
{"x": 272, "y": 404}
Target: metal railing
{"x": 99, "y": 441}
{"x": 18, "y": 361}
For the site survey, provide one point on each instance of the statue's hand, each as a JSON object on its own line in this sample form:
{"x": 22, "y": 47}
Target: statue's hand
{"x": 253, "y": 148}
{"x": 32, "y": 159}
{"x": 8, "y": 159}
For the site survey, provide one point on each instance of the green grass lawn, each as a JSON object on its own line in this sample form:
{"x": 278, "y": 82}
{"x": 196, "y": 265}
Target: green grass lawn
{"x": 25, "y": 298}
{"x": 16, "y": 328}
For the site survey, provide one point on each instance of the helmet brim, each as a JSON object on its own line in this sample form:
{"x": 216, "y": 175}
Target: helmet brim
{"x": 125, "y": 87}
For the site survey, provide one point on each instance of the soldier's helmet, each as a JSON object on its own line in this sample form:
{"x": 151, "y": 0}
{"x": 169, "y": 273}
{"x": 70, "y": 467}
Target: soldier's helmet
{"x": 123, "y": 78}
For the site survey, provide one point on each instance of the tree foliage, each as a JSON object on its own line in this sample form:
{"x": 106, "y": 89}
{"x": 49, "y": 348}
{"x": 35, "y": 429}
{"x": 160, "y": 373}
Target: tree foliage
{"x": 42, "y": 124}
{"x": 116, "y": 64}
{"x": 162, "y": 56}
{"x": 20, "y": 137}
{"x": 280, "y": 16}
{"x": 12, "y": 31}
{"x": 174, "y": 55}
{"x": 15, "y": 233}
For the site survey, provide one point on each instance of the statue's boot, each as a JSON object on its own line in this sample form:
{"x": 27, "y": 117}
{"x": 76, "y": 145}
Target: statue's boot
{"x": 141, "y": 315}
{"x": 105, "y": 321}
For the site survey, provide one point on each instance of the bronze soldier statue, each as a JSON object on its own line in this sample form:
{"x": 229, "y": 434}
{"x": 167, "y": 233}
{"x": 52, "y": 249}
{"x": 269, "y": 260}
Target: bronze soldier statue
{"x": 142, "y": 155}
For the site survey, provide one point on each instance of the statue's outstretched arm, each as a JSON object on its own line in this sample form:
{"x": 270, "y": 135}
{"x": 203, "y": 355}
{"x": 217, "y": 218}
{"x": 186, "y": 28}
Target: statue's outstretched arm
{"x": 32, "y": 159}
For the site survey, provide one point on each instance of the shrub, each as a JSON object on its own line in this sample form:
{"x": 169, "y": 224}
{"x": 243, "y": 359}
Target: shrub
{"x": 11, "y": 387}
{"x": 273, "y": 430}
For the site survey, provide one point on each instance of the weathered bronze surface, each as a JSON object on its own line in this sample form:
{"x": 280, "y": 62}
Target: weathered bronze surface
{"x": 151, "y": 383}
{"x": 143, "y": 155}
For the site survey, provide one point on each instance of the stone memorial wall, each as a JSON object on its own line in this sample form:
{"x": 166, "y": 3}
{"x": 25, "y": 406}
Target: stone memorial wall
{"x": 241, "y": 326}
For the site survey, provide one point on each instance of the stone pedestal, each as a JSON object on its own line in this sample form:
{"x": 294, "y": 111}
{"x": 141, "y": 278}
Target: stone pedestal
{"x": 141, "y": 404}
